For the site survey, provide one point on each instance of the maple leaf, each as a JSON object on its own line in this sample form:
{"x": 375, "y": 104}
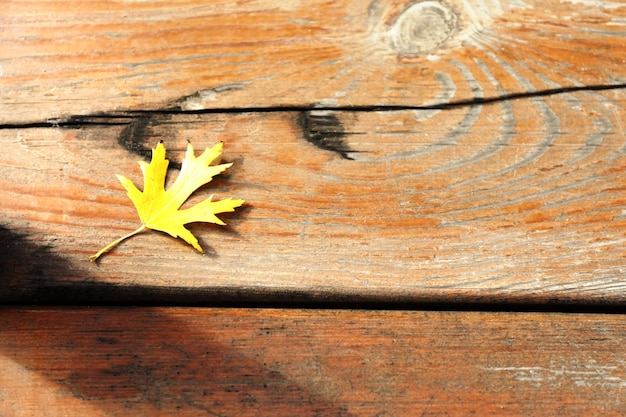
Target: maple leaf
{"x": 159, "y": 209}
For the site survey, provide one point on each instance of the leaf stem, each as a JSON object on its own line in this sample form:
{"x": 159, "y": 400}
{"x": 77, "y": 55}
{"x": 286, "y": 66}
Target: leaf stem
{"x": 94, "y": 258}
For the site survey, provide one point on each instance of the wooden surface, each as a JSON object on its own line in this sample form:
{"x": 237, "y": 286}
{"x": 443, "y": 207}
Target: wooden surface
{"x": 488, "y": 168}
{"x": 208, "y": 362}
{"x": 410, "y": 218}
{"x": 459, "y": 155}
{"x": 64, "y": 58}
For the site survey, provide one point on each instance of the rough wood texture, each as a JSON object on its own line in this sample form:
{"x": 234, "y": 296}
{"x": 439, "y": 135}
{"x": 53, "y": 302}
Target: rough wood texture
{"x": 208, "y": 362}
{"x": 61, "y": 58}
{"x": 395, "y": 153}
{"x": 423, "y": 217}
{"x": 470, "y": 195}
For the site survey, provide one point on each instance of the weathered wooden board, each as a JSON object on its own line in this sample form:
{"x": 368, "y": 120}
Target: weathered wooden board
{"x": 231, "y": 362}
{"x": 403, "y": 207}
{"x": 60, "y": 58}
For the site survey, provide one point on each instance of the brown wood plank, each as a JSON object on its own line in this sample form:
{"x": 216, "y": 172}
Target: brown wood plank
{"x": 428, "y": 209}
{"x": 235, "y": 362}
{"x": 61, "y": 58}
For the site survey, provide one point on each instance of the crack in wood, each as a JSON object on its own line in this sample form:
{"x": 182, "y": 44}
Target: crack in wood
{"x": 319, "y": 125}
{"x": 125, "y": 117}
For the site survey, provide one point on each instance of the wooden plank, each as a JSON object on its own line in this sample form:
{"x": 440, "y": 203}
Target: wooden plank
{"x": 235, "y": 362}
{"x": 430, "y": 208}
{"x": 61, "y": 58}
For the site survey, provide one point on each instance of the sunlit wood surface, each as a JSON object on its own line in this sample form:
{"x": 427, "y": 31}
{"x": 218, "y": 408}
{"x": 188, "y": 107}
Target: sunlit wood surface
{"x": 64, "y": 58}
{"x": 422, "y": 155}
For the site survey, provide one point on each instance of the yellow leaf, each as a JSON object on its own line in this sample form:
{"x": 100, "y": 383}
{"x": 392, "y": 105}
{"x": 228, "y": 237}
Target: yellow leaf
{"x": 159, "y": 209}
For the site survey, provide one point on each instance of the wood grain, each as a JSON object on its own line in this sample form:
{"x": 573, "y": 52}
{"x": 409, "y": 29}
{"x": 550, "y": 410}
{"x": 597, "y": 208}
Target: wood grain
{"x": 457, "y": 154}
{"x": 432, "y": 207}
{"x": 233, "y": 362}
{"x": 61, "y": 58}
{"x": 481, "y": 161}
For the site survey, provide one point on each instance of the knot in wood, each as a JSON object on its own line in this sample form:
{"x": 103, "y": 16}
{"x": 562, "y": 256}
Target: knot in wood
{"x": 423, "y": 27}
